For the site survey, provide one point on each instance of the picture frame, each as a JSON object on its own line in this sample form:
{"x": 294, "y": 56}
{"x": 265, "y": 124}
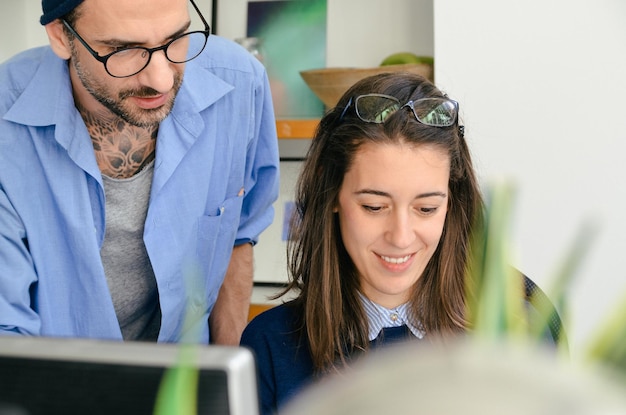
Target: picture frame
{"x": 270, "y": 257}
{"x": 289, "y": 37}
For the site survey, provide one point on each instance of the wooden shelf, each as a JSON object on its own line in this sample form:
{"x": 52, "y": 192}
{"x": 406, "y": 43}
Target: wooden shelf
{"x": 304, "y": 128}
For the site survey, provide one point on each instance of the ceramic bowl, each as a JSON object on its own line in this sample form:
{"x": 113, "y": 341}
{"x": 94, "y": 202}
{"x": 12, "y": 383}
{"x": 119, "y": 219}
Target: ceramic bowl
{"x": 329, "y": 84}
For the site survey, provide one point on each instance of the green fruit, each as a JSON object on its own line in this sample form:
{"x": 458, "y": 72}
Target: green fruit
{"x": 406, "y": 57}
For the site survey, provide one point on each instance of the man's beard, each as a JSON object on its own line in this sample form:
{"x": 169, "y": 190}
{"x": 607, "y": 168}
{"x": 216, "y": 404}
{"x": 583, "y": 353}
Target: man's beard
{"x": 135, "y": 116}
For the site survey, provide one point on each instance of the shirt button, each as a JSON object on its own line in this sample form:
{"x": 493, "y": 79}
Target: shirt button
{"x": 394, "y": 317}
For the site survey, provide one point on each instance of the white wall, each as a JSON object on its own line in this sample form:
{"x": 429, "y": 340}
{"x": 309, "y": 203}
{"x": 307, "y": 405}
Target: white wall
{"x": 542, "y": 90}
{"x": 362, "y": 33}
{"x": 20, "y": 29}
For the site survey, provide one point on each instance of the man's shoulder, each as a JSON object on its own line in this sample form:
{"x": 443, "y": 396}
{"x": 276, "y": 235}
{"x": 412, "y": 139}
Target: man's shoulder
{"x": 224, "y": 67}
{"x": 21, "y": 66}
{"x": 17, "y": 72}
{"x": 222, "y": 54}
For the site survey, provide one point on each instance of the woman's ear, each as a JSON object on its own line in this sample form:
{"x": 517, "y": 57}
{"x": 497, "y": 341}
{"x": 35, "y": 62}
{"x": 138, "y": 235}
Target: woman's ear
{"x": 58, "y": 39}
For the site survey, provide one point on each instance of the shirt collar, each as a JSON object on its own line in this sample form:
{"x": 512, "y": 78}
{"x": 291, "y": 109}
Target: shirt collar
{"x": 380, "y": 317}
{"x": 51, "y": 89}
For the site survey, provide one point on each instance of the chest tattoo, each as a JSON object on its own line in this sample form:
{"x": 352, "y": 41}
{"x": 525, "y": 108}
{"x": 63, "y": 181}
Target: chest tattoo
{"x": 122, "y": 150}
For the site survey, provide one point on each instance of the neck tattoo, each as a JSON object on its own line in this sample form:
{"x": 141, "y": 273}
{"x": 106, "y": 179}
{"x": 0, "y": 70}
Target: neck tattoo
{"x": 122, "y": 150}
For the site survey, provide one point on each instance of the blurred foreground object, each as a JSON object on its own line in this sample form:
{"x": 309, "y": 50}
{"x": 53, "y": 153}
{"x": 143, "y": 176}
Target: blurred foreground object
{"x": 463, "y": 378}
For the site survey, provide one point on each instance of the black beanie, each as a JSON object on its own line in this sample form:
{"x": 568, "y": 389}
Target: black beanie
{"x": 53, "y": 9}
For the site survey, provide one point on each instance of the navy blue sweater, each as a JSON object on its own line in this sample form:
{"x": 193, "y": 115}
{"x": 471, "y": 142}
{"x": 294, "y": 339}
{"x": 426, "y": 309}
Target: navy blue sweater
{"x": 284, "y": 361}
{"x": 283, "y": 358}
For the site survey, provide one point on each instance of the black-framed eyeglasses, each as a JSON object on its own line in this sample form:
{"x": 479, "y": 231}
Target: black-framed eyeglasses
{"x": 376, "y": 108}
{"x": 130, "y": 61}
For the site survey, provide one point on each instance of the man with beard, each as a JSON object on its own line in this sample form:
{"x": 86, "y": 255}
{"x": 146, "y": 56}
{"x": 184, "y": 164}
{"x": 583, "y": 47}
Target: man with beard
{"x": 138, "y": 166}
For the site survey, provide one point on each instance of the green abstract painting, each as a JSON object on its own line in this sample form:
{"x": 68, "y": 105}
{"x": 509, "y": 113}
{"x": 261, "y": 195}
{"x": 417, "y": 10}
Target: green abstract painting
{"x": 292, "y": 35}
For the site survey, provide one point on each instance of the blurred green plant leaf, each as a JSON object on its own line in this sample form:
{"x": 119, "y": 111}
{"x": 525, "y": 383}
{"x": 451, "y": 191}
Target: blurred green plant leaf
{"x": 609, "y": 344}
{"x": 562, "y": 280}
{"x": 178, "y": 391}
{"x": 495, "y": 307}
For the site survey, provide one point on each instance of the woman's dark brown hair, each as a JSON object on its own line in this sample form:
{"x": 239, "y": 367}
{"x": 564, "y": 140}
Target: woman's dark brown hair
{"x": 333, "y": 320}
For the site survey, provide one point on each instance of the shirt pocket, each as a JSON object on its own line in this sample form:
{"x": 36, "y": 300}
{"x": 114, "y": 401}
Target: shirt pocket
{"x": 216, "y": 236}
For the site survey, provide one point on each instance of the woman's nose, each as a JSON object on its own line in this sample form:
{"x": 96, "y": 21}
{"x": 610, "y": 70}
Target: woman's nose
{"x": 401, "y": 232}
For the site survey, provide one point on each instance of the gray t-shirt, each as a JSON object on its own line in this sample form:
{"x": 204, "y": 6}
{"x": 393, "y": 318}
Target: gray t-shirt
{"x": 126, "y": 264}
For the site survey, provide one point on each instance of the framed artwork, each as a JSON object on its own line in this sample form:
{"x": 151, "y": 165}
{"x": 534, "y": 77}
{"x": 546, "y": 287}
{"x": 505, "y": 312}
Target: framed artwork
{"x": 291, "y": 36}
{"x": 270, "y": 257}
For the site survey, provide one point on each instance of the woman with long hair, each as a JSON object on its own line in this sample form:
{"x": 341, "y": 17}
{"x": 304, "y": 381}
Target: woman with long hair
{"x": 379, "y": 244}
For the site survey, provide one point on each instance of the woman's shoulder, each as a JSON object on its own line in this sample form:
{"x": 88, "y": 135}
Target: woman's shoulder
{"x": 281, "y": 312}
{"x": 280, "y": 319}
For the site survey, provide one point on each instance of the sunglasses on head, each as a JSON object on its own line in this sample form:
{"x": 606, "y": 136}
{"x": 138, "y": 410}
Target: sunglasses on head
{"x": 376, "y": 108}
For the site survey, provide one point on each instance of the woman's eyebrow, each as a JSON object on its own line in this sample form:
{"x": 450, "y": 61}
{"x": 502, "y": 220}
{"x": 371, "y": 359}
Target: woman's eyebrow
{"x": 431, "y": 194}
{"x": 385, "y": 194}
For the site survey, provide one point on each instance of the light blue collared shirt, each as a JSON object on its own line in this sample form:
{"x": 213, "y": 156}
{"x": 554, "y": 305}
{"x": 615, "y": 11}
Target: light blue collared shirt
{"x": 380, "y": 317}
{"x": 219, "y": 139}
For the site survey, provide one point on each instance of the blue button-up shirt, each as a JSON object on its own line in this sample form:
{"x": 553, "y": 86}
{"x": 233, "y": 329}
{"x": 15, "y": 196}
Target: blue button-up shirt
{"x": 219, "y": 139}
